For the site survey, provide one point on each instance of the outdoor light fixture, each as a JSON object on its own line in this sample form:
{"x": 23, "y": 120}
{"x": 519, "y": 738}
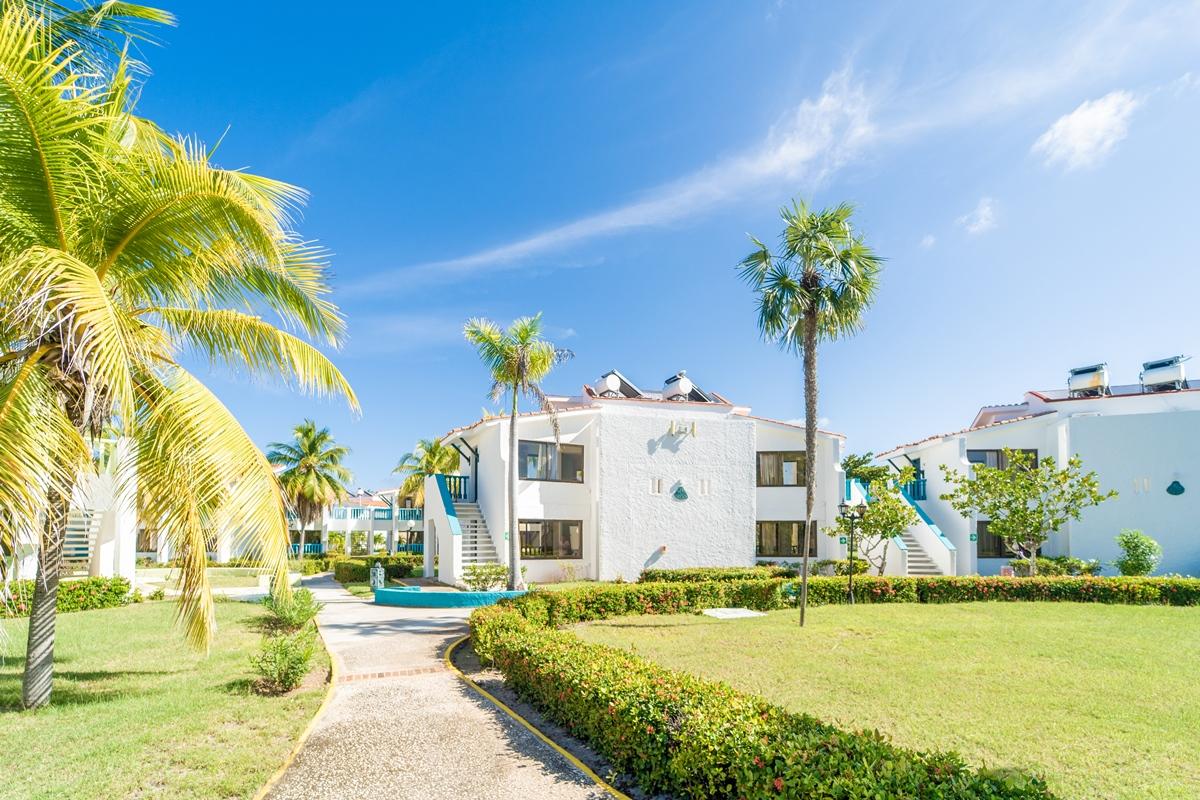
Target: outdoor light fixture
{"x": 852, "y": 515}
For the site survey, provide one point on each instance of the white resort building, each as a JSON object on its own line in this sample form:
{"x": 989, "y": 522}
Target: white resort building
{"x": 674, "y": 477}
{"x": 1141, "y": 439}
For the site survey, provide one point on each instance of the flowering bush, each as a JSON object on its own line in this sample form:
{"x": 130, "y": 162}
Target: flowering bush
{"x": 688, "y": 737}
{"x": 81, "y": 595}
{"x": 358, "y": 569}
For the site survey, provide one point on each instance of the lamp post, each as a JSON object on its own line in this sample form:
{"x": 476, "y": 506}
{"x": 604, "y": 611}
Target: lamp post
{"x": 853, "y": 515}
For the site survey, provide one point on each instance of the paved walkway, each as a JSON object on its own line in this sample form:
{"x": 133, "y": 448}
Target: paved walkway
{"x": 400, "y": 725}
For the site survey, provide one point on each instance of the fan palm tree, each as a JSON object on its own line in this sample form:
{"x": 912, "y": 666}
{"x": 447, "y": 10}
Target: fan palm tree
{"x": 519, "y": 359}
{"x": 815, "y": 287}
{"x": 313, "y": 477}
{"x": 430, "y": 457}
{"x": 119, "y": 248}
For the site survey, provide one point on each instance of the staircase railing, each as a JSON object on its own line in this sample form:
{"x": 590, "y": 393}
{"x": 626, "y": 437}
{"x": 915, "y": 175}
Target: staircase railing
{"x": 458, "y": 486}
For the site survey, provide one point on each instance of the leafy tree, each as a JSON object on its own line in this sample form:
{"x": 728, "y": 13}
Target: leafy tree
{"x": 313, "y": 478}
{"x": 860, "y": 468}
{"x": 816, "y": 286}
{"x": 1026, "y": 500}
{"x": 1139, "y": 553}
{"x": 430, "y": 457}
{"x": 120, "y": 247}
{"x": 885, "y": 517}
{"x": 519, "y": 359}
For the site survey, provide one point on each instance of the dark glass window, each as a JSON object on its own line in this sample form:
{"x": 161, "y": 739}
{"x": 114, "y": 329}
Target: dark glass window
{"x": 551, "y": 538}
{"x": 996, "y": 458}
{"x": 989, "y": 545}
{"x": 546, "y": 461}
{"x": 786, "y": 538}
{"x": 781, "y": 468}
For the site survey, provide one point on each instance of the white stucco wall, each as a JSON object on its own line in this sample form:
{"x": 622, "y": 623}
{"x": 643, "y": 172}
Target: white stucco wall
{"x": 1139, "y": 455}
{"x": 707, "y": 529}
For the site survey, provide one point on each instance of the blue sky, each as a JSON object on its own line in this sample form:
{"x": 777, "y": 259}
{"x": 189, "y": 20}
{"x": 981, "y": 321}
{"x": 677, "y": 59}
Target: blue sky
{"x": 1027, "y": 169}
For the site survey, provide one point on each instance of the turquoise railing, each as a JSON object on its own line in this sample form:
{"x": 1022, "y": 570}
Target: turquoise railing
{"x": 458, "y": 486}
{"x": 409, "y": 514}
{"x": 310, "y": 549}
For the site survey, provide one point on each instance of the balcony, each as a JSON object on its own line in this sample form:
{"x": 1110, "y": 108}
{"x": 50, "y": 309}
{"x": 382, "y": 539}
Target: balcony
{"x": 409, "y": 514}
{"x": 915, "y": 489}
{"x": 458, "y": 486}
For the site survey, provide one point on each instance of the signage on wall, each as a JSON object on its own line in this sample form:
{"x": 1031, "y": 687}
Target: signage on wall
{"x": 974, "y": 537}
{"x": 841, "y": 540}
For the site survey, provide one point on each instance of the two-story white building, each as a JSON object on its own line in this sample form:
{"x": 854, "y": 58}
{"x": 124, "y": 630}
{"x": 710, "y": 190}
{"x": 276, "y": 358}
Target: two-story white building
{"x": 367, "y": 521}
{"x": 674, "y": 477}
{"x": 1142, "y": 440}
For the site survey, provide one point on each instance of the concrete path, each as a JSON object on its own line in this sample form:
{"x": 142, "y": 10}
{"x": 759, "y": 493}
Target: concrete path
{"x": 400, "y": 725}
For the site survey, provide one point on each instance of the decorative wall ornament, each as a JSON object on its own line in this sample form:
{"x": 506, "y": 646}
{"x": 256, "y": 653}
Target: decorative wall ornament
{"x": 1175, "y": 489}
{"x": 680, "y": 493}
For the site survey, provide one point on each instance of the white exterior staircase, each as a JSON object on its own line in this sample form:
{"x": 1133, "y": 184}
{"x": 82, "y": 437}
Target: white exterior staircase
{"x": 477, "y": 545}
{"x": 919, "y": 562}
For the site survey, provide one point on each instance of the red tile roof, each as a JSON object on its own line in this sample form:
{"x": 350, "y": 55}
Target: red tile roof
{"x": 935, "y": 437}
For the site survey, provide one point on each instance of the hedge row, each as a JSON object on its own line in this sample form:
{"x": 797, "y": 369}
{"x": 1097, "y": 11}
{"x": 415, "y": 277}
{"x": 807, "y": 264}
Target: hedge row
{"x": 358, "y": 569}
{"x": 82, "y": 595}
{"x": 694, "y": 574}
{"x": 688, "y": 737}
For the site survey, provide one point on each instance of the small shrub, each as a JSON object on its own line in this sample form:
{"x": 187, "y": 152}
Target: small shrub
{"x": 284, "y": 659}
{"x": 483, "y": 577}
{"x": 1140, "y": 553}
{"x": 697, "y": 574}
{"x": 158, "y": 594}
{"x": 358, "y": 568}
{"x": 1056, "y": 565}
{"x": 292, "y": 614}
{"x": 840, "y": 566}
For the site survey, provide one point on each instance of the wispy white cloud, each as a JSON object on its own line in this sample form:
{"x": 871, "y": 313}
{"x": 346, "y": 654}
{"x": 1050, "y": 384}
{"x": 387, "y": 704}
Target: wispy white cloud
{"x": 1087, "y": 135}
{"x": 805, "y": 146}
{"x": 981, "y": 219}
{"x": 846, "y": 119}
{"x": 928, "y": 241}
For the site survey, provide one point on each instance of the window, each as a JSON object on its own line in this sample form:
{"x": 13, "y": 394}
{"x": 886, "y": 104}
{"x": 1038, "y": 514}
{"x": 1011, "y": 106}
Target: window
{"x": 546, "y": 461}
{"x": 995, "y": 458}
{"x": 989, "y": 545}
{"x": 551, "y": 538}
{"x": 781, "y": 468}
{"x": 784, "y": 539}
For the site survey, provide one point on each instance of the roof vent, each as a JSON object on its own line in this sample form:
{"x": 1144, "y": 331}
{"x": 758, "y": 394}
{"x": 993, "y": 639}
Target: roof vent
{"x": 1090, "y": 381}
{"x": 678, "y": 387}
{"x": 1164, "y": 375}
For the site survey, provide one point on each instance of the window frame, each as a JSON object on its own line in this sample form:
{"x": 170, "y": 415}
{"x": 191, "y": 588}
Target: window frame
{"x": 1001, "y": 461}
{"x": 798, "y": 529}
{"x": 557, "y": 461}
{"x": 1006, "y": 552}
{"x": 555, "y": 535}
{"x": 800, "y": 459}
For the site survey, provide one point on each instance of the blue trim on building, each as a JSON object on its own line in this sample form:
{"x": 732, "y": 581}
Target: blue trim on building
{"x": 448, "y": 505}
{"x": 926, "y": 519}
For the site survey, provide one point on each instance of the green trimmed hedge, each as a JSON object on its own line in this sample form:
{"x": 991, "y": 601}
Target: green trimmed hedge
{"x": 682, "y": 735}
{"x": 695, "y": 574}
{"x": 357, "y": 569}
{"x": 83, "y": 595}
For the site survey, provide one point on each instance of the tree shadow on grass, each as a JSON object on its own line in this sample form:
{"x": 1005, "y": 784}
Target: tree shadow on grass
{"x": 77, "y": 687}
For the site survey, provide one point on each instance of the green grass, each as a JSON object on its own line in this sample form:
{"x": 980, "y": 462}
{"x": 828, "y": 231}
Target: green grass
{"x": 1104, "y": 701}
{"x": 136, "y": 713}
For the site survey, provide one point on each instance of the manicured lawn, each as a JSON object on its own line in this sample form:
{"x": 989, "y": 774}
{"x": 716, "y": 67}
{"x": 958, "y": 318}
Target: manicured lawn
{"x": 1104, "y": 701}
{"x": 136, "y": 713}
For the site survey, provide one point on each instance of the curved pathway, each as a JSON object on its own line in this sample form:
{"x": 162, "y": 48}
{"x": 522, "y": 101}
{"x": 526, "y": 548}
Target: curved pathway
{"x": 400, "y": 725}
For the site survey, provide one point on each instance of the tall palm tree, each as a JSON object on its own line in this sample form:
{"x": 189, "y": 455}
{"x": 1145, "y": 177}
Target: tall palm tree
{"x": 99, "y": 31}
{"x": 815, "y": 287}
{"x": 120, "y": 247}
{"x": 313, "y": 478}
{"x": 430, "y": 457}
{"x": 519, "y": 359}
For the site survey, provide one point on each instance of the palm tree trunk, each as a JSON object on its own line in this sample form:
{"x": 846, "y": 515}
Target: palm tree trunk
{"x": 810, "y": 446}
{"x": 39, "y": 654}
{"x": 301, "y": 553}
{"x": 514, "y": 539}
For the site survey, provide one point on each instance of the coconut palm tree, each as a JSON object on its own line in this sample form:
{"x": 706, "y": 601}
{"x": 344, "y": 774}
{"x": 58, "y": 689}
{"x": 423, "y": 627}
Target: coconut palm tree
{"x": 814, "y": 287}
{"x": 519, "y": 359}
{"x": 98, "y": 32}
{"x": 430, "y": 457}
{"x": 313, "y": 478}
{"x": 119, "y": 248}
